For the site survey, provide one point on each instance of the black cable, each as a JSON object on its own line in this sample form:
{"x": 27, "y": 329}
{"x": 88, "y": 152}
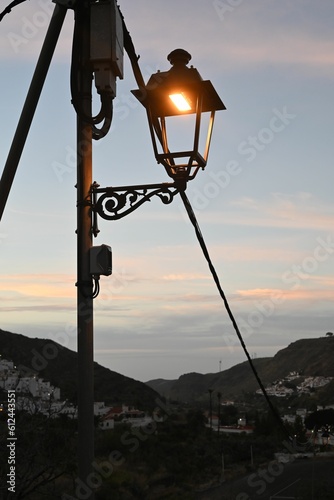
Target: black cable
{"x": 129, "y": 47}
{"x": 200, "y": 238}
{"x": 76, "y": 65}
{"x": 96, "y": 290}
{"x": 8, "y": 9}
{"x": 98, "y": 133}
{"x": 134, "y": 58}
{"x": 130, "y": 50}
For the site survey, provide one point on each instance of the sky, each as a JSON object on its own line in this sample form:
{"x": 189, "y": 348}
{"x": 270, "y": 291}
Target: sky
{"x": 264, "y": 202}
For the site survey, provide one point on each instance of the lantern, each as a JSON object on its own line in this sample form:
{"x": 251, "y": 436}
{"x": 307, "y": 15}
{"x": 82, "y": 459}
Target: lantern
{"x": 177, "y": 93}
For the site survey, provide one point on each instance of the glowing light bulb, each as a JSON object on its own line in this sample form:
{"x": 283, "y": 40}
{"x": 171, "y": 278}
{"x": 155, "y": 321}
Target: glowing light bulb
{"x": 180, "y": 102}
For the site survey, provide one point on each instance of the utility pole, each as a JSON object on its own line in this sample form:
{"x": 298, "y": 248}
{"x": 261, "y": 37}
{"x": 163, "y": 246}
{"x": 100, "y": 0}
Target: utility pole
{"x": 219, "y": 396}
{"x": 210, "y": 410}
{"x": 30, "y": 104}
{"x": 84, "y": 243}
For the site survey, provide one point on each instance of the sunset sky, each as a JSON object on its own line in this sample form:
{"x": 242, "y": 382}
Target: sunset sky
{"x": 264, "y": 203}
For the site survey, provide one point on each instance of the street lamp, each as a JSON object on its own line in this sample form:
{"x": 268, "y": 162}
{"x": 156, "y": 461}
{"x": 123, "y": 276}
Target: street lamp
{"x": 172, "y": 94}
{"x": 175, "y": 93}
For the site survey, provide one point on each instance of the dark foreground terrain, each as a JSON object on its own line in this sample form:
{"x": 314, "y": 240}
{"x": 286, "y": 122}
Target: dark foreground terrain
{"x": 304, "y": 479}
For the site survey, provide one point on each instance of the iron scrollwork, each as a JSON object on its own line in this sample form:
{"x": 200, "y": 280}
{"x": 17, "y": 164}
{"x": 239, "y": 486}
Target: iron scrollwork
{"x": 113, "y": 203}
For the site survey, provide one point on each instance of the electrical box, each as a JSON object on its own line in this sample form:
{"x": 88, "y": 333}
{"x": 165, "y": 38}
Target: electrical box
{"x": 100, "y": 260}
{"x": 106, "y": 45}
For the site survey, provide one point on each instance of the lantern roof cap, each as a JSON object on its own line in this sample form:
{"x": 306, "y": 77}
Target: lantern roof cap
{"x": 178, "y": 79}
{"x": 179, "y": 57}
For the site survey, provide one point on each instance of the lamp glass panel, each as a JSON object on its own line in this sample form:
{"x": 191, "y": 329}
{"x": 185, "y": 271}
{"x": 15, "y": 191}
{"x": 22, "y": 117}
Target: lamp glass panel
{"x": 180, "y": 132}
{"x": 180, "y": 101}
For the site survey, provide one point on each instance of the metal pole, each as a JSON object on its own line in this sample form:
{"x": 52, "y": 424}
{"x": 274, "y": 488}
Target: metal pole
{"x": 219, "y": 401}
{"x": 210, "y": 393}
{"x": 84, "y": 283}
{"x": 30, "y": 104}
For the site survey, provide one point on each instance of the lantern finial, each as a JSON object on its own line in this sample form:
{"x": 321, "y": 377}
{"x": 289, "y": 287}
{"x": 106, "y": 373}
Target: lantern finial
{"x": 179, "y": 57}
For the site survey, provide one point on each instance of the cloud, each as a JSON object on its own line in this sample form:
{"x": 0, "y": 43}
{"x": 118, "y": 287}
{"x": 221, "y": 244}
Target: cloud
{"x": 297, "y": 211}
{"x": 248, "y": 34}
{"x": 185, "y": 277}
{"x": 23, "y": 30}
{"x": 298, "y": 49}
{"x": 39, "y": 308}
{"x": 243, "y": 36}
{"x": 37, "y": 286}
{"x": 280, "y": 295}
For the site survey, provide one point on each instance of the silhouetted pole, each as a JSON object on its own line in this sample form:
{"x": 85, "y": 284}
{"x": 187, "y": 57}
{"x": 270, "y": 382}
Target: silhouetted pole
{"x": 84, "y": 243}
{"x": 30, "y": 104}
{"x": 210, "y": 395}
{"x": 219, "y": 403}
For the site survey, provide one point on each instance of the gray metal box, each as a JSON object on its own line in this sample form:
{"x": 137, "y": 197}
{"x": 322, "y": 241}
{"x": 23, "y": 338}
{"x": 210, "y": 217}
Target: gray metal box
{"x": 100, "y": 260}
{"x": 106, "y": 47}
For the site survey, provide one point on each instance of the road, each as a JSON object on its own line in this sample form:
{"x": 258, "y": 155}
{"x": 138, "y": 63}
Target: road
{"x": 304, "y": 479}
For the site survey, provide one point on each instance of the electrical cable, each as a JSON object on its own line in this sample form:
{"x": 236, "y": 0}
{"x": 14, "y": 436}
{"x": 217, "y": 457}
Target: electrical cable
{"x": 76, "y": 65}
{"x": 105, "y": 113}
{"x": 8, "y": 9}
{"x": 203, "y": 246}
{"x": 108, "y": 106}
{"x": 129, "y": 47}
{"x": 134, "y": 58}
{"x": 88, "y": 284}
{"x": 96, "y": 289}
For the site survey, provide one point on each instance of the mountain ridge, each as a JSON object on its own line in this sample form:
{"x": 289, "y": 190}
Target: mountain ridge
{"x": 58, "y": 364}
{"x": 309, "y": 357}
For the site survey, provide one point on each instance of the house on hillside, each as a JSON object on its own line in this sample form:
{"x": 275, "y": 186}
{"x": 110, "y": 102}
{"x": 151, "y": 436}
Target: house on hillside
{"x": 107, "y": 422}
{"x": 124, "y": 414}
{"x": 100, "y": 409}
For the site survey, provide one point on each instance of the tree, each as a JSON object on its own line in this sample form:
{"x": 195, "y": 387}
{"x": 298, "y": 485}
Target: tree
{"x": 299, "y": 430}
{"x": 319, "y": 419}
{"x": 41, "y": 465}
{"x": 196, "y": 421}
{"x": 228, "y": 415}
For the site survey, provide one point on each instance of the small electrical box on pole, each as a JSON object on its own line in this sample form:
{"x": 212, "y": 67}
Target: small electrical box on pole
{"x": 100, "y": 260}
{"x": 106, "y": 45}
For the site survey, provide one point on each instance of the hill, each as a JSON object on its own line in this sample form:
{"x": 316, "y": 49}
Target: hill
{"x": 309, "y": 357}
{"x": 58, "y": 364}
{"x": 53, "y": 362}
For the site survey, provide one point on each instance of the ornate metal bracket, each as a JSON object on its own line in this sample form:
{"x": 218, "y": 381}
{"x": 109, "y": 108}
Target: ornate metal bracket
{"x": 113, "y": 203}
